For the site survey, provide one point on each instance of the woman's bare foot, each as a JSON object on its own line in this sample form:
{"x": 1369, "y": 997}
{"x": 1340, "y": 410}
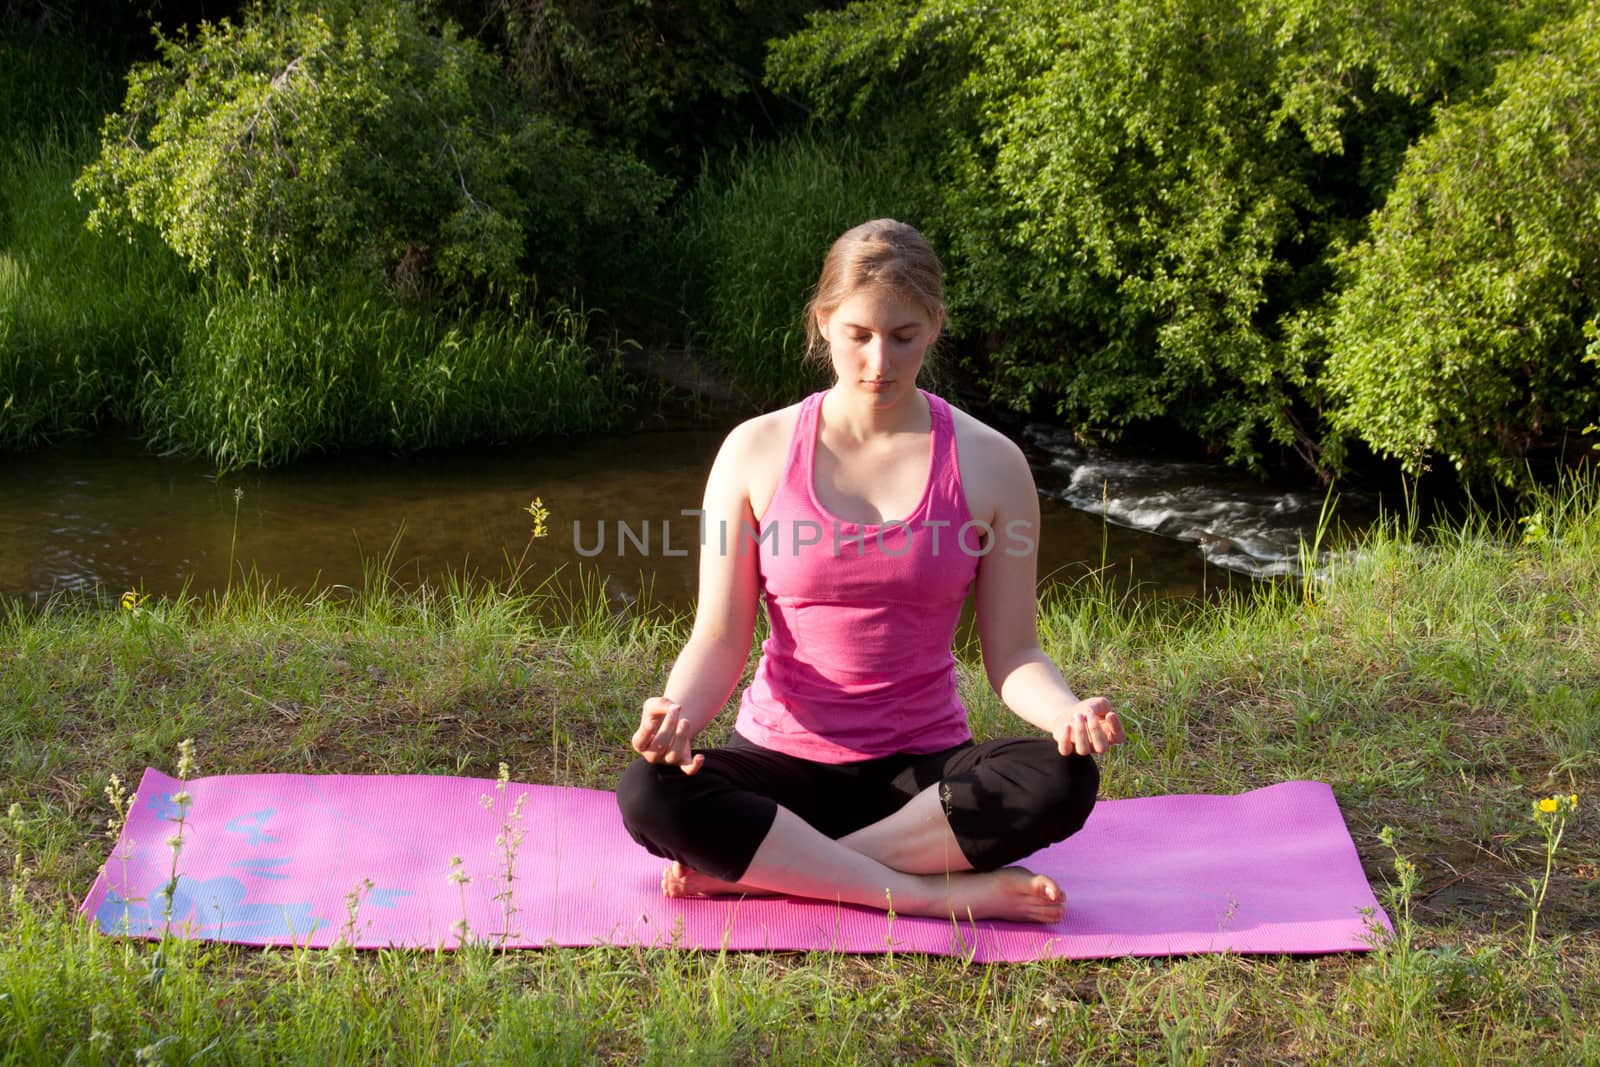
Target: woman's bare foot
{"x": 680, "y": 881}
{"x": 1013, "y": 893}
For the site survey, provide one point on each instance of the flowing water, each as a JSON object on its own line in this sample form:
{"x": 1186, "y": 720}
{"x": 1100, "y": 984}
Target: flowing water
{"x": 102, "y": 516}
{"x": 1233, "y": 521}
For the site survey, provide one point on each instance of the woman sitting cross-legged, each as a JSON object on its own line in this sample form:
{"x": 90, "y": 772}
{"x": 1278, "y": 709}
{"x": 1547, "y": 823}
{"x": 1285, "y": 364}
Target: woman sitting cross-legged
{"x": 862, "y": 517}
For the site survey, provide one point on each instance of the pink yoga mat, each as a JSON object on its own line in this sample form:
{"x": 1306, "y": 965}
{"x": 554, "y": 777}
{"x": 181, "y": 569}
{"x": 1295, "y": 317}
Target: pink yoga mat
{"x": 271, "y": 860}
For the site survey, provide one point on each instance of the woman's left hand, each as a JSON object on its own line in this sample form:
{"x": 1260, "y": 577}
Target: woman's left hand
{"x": 1089, "y": 726}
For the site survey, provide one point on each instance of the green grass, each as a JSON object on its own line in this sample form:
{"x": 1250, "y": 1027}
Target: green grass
{"x": 83, "y": 318}
{"x": 95, "y": 330}
{"x": 1439, "y": 687}
{"x": 262, "y": 375}
{"x": 51, "y": 82}
{"x": 752, "y": 235}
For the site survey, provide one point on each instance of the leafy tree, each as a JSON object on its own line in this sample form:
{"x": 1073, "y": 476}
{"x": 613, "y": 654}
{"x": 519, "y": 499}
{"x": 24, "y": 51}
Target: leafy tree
{"x": 310, "y": 137}
{"x": 670, "y": 79}
{"x": 1462, "y": 331}
{"x": 1145, "y": 200}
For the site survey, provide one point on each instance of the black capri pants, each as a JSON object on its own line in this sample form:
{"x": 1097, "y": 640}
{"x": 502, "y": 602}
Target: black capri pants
{"x": 1005, "y": 799}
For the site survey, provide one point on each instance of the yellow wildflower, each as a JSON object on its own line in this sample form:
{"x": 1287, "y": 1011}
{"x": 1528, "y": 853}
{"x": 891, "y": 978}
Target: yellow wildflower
{"x": 1548, "y": 805}
{"x": 130, "y": 601}
{"x": 539, "y": 514}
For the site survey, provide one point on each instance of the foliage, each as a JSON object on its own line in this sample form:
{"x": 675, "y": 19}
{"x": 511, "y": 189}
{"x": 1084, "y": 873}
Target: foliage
{"x": 116, "y": 28}
{"x": 49, "y": 85}
{"x": 1462, "y": 332}
{"x": 263, "y": 374}
{"x": 82, "y": 317}
{"x": 97, "y": 331}
{"x": 668, "y": 79}
{"x": 310, "y": 137}
{"x": 1145, "y": 200}
{"x": 752, "y": 235}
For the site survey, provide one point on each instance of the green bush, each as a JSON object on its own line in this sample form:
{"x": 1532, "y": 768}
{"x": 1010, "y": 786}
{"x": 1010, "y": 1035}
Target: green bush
{"x": 313, "y": 138}
{"x": 752, "y": 236}
{"x": 264, "y": 374}
{"x": 1145, "y": 201}
{"x": 1461, "y": 333}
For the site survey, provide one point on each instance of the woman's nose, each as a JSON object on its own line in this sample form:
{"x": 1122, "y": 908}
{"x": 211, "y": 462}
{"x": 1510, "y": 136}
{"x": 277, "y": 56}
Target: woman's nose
{"x": 875, "y": 355}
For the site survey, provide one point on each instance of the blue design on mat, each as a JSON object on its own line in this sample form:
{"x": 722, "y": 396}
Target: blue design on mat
{"x": 163, "y": 807}
{"x": 214, "y": 907}
{"x": 262, "y": 868}
{"x": 386, "y": 898}
{"x": 251, "y": 826}
{"x": 118, "y": 915}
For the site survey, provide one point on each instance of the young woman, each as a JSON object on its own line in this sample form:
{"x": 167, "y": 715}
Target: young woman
{"x": 862, "y": 516}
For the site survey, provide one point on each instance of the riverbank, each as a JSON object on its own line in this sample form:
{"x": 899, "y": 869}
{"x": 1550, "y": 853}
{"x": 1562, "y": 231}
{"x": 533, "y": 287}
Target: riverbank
{"x": 99, "y": 333}
{"x": 1441, "y": 687}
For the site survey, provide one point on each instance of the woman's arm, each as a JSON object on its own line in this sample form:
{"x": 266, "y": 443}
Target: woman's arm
{"x": 1026, "y": 679}
{"x": 710, "y": 664}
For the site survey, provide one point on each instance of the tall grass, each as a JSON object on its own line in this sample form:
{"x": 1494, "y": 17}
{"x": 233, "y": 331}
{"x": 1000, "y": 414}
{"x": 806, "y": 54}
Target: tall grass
{"x": 262, "y": 375}
{"x": 50, "y": 83}
{"x": 752, "y": 235}
{"x": 83, "y": 318}
{"x": 96, "y": 329}
{"x": 80, "y": 317}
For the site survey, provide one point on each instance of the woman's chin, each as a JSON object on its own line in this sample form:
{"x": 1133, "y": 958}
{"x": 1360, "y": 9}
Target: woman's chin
{"x": 879, "y": 391}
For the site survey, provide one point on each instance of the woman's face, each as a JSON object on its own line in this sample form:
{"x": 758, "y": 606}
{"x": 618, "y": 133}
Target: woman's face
{"x": 878, "y": 340}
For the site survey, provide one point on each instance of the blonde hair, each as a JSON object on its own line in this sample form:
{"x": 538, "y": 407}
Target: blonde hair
{"x": 882, "y": 254}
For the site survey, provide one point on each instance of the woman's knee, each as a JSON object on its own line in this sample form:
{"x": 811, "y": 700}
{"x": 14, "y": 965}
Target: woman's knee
{"x": 1058, "y": 794}
{"x": 649, "y": 808}
{"x": 1015, "y": 807}
{"x": 1077, "y": 785}
{"x": 698, "y": 819}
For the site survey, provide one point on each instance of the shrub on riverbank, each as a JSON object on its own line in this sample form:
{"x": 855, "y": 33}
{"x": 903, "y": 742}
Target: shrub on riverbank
{"x": 1463, "y": 333}
{"x": 307, "y": 141}
{"x": 1439, "y": 686}
{"x": 99, "y": 330}
{"x": 1147, "y": 209}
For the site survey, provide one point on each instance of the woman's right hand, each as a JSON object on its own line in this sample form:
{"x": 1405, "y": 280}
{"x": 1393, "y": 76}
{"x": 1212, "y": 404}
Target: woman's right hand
{"x": 665, "y": 736}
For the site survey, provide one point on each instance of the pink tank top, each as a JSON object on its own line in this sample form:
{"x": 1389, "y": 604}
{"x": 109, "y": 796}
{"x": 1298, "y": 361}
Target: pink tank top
{"x": 858, "y": 662}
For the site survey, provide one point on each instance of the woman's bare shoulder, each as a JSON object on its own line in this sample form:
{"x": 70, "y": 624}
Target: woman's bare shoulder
{"x": 753, "y": 454}
{"x": 990, "y": 451}
{"x": 994, "y": 472}
{"x": 765, "y": 430}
